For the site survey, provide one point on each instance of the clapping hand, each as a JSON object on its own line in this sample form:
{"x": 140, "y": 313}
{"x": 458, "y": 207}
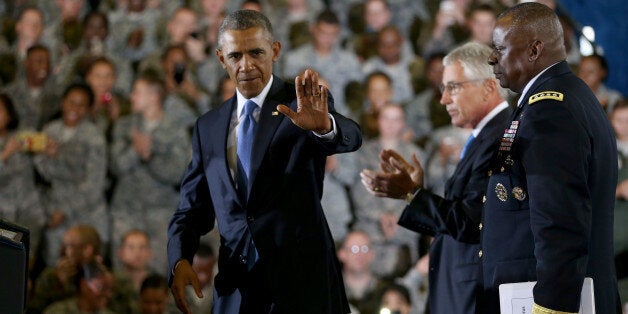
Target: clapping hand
{"x": 397, "y": 178}
{"x": 312, "y": 112}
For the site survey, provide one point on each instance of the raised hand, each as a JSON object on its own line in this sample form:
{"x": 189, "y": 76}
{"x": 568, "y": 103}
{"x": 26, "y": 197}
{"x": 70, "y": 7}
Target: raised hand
{"x": 312, "y": 111}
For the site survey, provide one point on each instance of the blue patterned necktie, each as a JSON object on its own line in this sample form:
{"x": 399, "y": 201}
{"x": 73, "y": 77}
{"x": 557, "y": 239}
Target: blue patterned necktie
{"x": 466, "y": 146}
{"x": 246, "y": 136}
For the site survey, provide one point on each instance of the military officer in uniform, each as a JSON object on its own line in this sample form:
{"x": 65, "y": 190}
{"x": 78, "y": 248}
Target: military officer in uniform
{"x": 548, "y": 215}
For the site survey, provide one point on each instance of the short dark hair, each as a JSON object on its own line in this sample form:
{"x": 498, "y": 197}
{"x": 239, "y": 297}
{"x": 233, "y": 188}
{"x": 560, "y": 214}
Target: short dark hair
{"x": 14, "y": 119}
{"x": 327, "y": 16}
{"x": 601, "y": 61}
{"x": 401, "y": 290}
{"x": 154, "y": 281}
{"x": 89, "y": 271}
{"x": 96, "y": 14}
{"x": 80, "y": 87}
{"x": 244, "y": 19}
{"x": 377, "y": 73}
{"x": 37, "y": 47}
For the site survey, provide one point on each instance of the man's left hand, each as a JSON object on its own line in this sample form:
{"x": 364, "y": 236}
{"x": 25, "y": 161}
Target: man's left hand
{"x": 312, "y": 112}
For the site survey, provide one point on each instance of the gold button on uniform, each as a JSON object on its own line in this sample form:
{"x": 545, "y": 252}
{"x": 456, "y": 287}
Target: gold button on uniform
{"x": 480, "y": 226}
{"x": 480, "y": 254}
{"x": 490, "y": 173}
{"x": 484, "y": 199}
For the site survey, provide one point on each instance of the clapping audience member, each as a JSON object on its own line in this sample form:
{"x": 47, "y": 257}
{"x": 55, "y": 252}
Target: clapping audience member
{"x": 148, "y": 155}
{"x": 134, "y": 30}
{"x": 378, "y": 216}
{"x": 593, "y": 70}
{"x": 19, "y": 199}
{"x": 74, "y": 162}
{"x": 109, "y": 103}
{"x": 68, "y": 13}
{"x": 94, "y": 288}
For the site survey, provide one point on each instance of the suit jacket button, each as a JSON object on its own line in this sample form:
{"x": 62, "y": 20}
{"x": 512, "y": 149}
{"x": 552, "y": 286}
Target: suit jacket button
{"x": 490, "y": 173}
{"x": 480, "y": 226}
{"x": 250, "y": 219}
{"x": 480, "y": 254}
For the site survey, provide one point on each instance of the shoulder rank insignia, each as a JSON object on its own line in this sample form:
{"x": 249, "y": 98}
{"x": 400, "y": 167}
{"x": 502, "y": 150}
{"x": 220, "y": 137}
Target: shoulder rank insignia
{"x": 545, "y": 95}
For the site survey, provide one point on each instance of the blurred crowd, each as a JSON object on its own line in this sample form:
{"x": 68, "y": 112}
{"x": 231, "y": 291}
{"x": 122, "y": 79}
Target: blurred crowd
{"x": 99, "y": 98}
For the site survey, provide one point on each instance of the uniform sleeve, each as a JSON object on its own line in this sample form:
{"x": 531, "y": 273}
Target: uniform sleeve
{"x": 556, "y": 162}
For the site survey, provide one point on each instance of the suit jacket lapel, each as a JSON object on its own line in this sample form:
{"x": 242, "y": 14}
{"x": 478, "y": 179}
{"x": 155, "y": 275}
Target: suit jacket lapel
{"x": 484, "y": 135}
{"x": 220, "y": 131}
{"x": 267, "y": 126}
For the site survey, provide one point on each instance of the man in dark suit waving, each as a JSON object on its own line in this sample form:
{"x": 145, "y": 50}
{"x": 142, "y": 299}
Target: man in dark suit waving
{"x": 474, "y": 100}
{"x": 257, "y": 168}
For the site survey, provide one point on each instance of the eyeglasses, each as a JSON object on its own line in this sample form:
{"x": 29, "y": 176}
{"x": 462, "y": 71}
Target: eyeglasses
{"x": 355, "y": 249}
{"x": 453, "y": 88}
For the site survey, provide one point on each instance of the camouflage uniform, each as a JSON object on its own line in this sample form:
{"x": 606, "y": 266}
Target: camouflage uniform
{"x": 123, "y": 24}
{"x": 35, "y": 107}
{"x": 19, "y": 199}
{"x": 338, "y": 68}
{"x": 69, "y": 66}
{"x": 369, "y": 208}
{"x": 145, "y": 195}
{"x": 77, "y": 177}
{"x": 399, "y": 74}
{"x": 69, "y": 306}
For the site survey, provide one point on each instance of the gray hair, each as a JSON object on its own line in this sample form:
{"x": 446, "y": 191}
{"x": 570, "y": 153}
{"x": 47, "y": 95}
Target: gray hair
{"x": 473, "y": 59}
{"x": 244, "y": 19}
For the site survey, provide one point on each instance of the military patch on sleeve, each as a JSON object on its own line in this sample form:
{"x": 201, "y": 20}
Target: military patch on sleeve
{"x": 545, "y": 95}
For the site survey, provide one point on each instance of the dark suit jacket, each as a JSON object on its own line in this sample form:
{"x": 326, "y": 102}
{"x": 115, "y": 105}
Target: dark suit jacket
{"x": 455, "y": 276}
{"x": 283, "y": 213}
{"x": 549, "y": 209}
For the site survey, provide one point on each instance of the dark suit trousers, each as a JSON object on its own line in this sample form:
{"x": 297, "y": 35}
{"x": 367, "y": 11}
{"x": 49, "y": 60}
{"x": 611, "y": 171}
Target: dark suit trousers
{"x": 252, "y": 295}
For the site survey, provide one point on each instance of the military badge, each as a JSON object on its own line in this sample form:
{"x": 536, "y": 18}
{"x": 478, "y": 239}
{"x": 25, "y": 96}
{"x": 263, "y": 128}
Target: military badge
{"x": 545, "y": 95}
{"x": 519, "y": 193}
{"x": 509, "y": 136}
{"x": 502, "y": 193}
{"x": 509, "y": 161}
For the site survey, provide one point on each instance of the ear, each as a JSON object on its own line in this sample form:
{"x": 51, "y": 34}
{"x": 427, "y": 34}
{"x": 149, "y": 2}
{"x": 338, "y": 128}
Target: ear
{"x": 221, "y": 58}
{"x": 276, "y": 47}
{"x": 536, "y": 48}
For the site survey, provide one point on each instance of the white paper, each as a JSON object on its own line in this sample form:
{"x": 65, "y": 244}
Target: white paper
{"x": 517, "y": 298}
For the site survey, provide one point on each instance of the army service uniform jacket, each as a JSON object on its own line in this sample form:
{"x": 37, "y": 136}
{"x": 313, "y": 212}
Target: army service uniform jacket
{"x": 548, "y": 214}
